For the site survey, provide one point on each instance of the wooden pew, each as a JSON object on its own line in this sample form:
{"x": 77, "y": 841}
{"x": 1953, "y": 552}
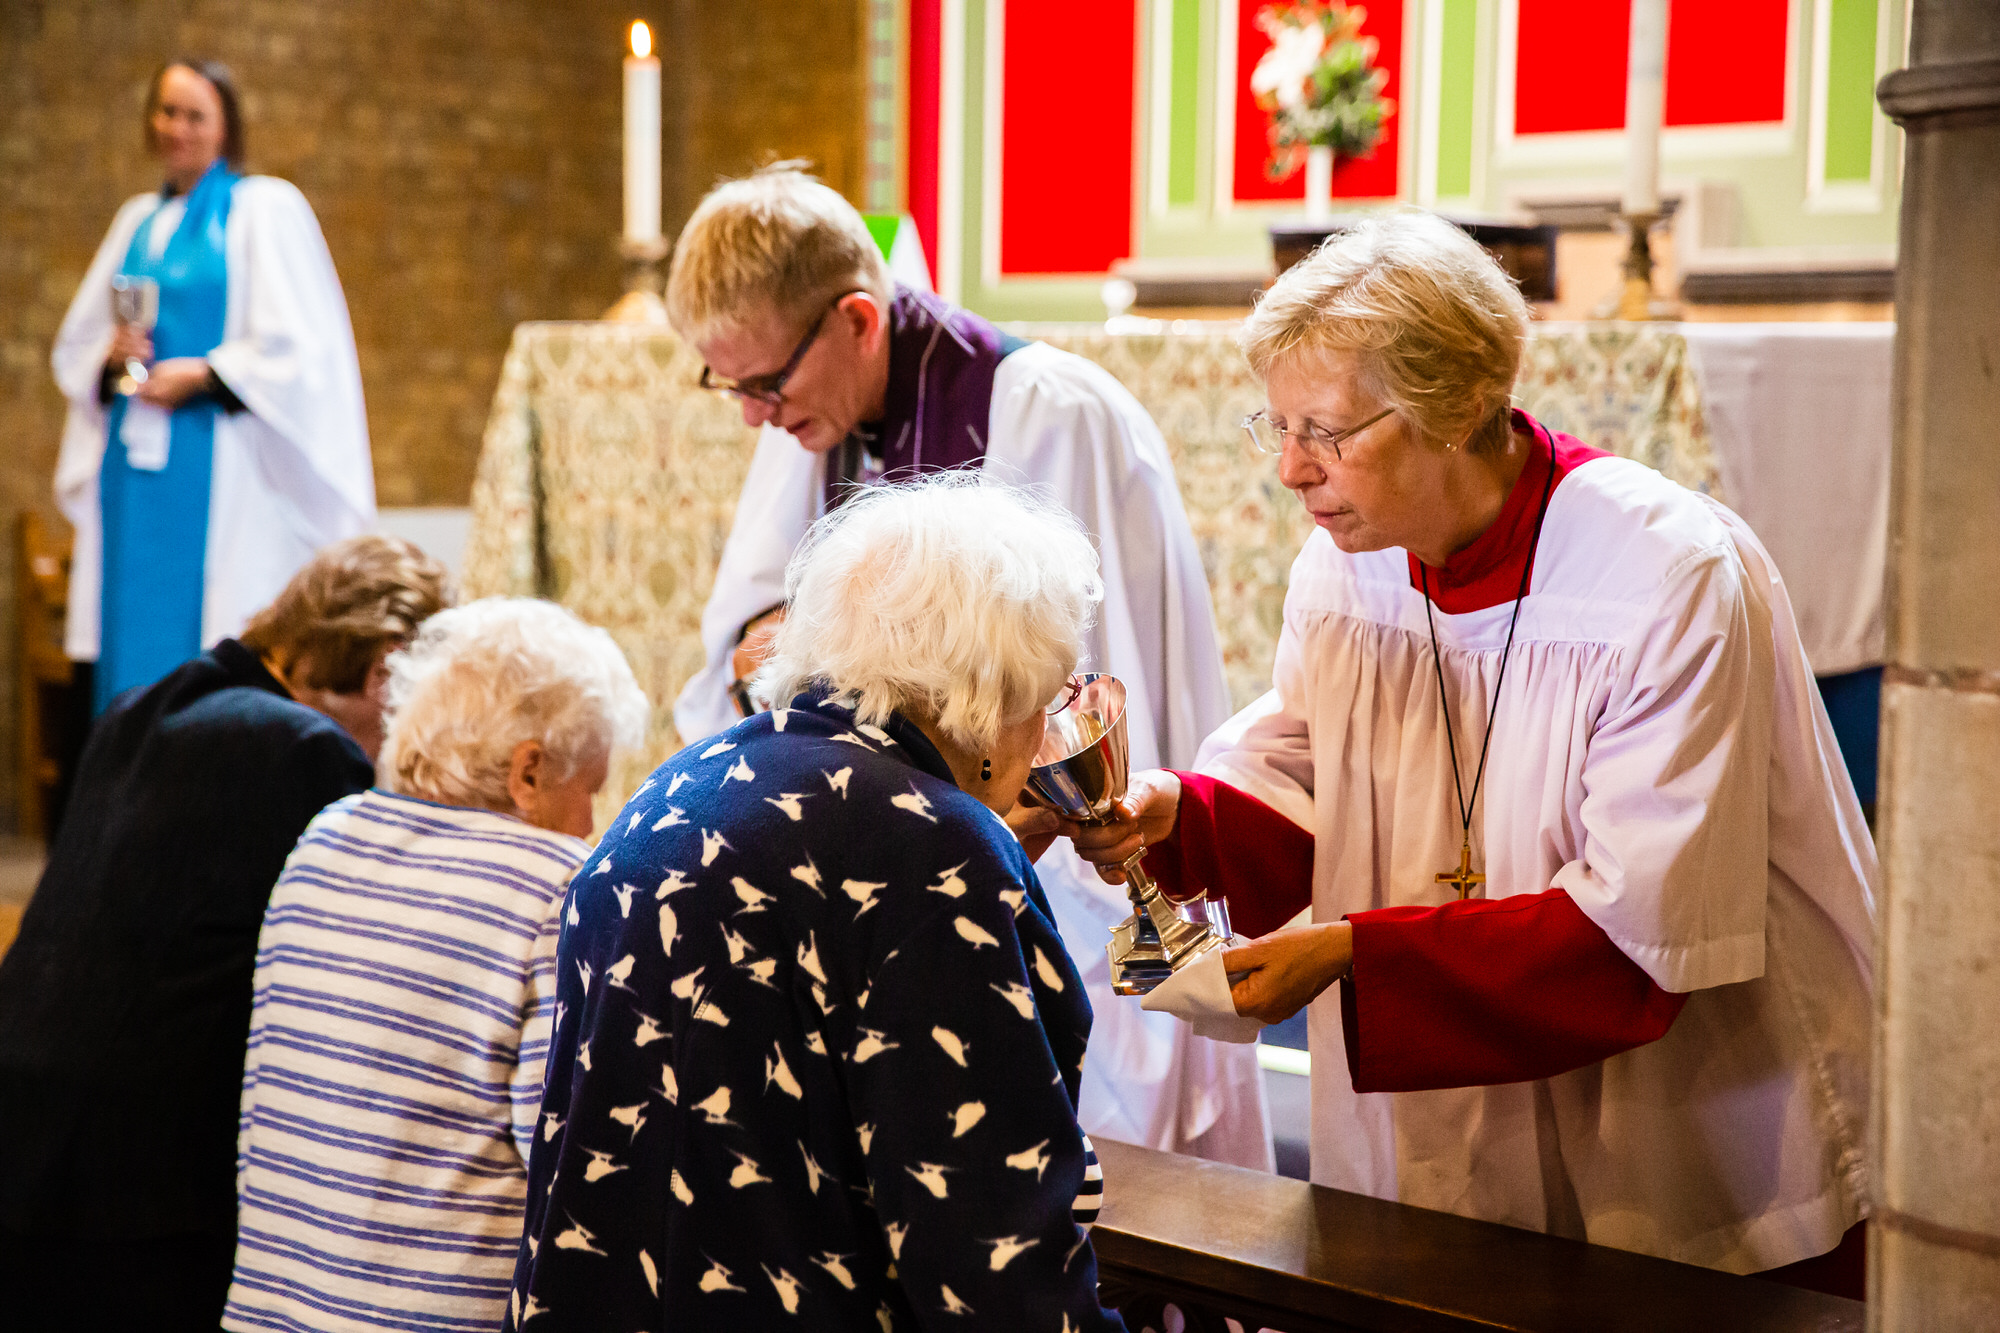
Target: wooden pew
{"x": 44, "y": 672}
{"x": 1222, "y": 1241}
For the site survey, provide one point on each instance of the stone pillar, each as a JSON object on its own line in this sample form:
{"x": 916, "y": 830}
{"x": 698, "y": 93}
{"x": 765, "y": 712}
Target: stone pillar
{"x": 1934, "y": 1262}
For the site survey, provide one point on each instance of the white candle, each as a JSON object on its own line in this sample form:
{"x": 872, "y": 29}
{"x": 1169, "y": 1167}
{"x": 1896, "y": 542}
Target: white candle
{"x": 1645, "y": 105}
{"x": 642, "y": 138}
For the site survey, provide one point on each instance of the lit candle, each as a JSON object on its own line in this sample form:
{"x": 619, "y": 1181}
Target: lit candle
{"x": 642, "y": 138}
{"x": 1645, "y": 104}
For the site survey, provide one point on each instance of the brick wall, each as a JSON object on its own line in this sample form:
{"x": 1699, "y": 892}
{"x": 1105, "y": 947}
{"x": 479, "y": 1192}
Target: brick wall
{"x": 462, "y": 155}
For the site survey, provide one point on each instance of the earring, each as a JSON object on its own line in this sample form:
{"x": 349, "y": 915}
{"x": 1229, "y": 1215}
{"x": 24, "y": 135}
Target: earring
{"x": 986, "y": 770}
{"x": 1451, "y": 448}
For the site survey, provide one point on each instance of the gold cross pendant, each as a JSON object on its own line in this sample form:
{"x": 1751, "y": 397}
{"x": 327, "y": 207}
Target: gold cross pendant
{"x": 1463, "y": 878}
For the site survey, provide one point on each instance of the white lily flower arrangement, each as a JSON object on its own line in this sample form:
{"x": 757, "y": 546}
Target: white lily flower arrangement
{"x": 1319, "y": 82}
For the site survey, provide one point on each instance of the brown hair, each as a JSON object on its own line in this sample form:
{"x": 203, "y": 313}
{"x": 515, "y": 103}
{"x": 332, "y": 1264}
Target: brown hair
{"x": 337, "y": 613}
{"x": 223, "y": 82}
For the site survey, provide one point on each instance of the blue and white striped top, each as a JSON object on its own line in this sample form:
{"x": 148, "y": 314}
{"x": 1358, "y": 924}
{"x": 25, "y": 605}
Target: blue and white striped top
{"x": 404, "y": 991}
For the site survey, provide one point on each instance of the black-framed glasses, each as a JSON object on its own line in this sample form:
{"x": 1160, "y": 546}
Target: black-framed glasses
{"x": 770, "y": 389}
{"x": 1267, "y": 437}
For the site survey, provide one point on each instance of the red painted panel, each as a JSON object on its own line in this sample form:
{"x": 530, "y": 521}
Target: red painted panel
{"x": 1373, "y": 177}
{"x": 1066, "y": 135}
{"x": 1726, "y": 63}
{"x": 920, "y": 148}
{"x": 1569, "y": 73}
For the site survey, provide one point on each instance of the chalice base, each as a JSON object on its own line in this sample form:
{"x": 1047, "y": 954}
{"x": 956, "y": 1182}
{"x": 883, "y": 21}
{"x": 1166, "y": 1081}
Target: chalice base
{"x": 1160, "y": 938}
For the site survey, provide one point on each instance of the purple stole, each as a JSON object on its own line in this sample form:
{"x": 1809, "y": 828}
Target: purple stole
{"x": 940, "y": 396}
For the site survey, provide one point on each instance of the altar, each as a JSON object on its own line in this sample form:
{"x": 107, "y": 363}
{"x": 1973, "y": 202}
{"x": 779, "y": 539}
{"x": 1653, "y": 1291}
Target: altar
{"x": 608, "y": 479}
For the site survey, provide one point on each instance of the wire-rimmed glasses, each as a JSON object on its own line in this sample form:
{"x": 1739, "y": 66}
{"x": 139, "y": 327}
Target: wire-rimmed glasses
{"x": 1320, "y": 444}
{"x": 769, "y": 390}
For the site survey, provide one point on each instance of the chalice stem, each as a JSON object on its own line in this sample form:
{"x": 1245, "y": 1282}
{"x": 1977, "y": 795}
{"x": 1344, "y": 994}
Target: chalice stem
{"x": 1138, "y": 884}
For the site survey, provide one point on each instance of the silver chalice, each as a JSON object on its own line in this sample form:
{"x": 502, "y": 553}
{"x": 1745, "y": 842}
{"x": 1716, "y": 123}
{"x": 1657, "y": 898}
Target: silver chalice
{"x": 1081, "y": 772}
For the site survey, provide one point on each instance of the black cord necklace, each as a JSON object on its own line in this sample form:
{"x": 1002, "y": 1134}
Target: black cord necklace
{"x": 1463, "y": 878}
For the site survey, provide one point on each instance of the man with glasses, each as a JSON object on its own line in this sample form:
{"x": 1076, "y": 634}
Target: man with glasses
{"x": 853, "y": 379}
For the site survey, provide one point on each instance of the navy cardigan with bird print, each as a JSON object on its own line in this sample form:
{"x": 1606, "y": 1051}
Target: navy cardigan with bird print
{"x": 816, "y": 1056}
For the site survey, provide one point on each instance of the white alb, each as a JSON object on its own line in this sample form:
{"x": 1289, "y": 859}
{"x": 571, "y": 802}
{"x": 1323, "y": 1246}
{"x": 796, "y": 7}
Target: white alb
{"x": 292, "y": 472}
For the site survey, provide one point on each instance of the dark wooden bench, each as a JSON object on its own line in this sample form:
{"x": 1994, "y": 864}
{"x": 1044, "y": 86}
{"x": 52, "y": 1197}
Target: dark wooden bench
{"x": 1219, "y": 1240}
{"x": 46, "y": 709}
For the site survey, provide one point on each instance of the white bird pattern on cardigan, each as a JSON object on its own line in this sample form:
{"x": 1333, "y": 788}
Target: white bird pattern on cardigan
{"x": 883, "y": 1120}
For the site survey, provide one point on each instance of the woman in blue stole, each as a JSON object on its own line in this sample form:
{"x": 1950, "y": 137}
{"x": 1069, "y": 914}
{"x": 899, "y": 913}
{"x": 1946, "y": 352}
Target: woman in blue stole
{"x": 155, "y": 509}
{"x": 205, "y": 459}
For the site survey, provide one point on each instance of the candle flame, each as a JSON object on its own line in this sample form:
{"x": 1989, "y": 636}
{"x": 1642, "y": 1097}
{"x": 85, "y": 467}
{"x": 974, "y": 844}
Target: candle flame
{"x": 642, "y": 40}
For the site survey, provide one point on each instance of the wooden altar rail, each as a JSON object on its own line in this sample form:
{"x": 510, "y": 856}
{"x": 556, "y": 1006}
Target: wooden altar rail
{"x": 1219, "y": 1240}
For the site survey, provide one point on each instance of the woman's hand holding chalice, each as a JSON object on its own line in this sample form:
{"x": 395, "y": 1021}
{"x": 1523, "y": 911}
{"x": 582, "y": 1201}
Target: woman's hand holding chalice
{"x": 1144, "y": 818}
{"x": 1272, "y": 977}
{"x": 129, "y": 342}
{"x": 174, "y": 381}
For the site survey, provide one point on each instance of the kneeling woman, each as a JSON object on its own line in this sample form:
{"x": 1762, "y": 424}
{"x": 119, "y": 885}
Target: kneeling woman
{"x": 405, "y": 983}
{"x": 818, "y": 1040}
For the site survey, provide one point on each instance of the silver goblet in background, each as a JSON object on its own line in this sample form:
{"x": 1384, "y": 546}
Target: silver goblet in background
{"x": 135, "y": 303}
{"x": 1081, "y": 772}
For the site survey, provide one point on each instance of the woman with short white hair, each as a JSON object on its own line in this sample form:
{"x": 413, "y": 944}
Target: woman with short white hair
{"x": 819, "y": 1043}
{"x": 1545, "y": 759}
{"x": 405, "y": 982}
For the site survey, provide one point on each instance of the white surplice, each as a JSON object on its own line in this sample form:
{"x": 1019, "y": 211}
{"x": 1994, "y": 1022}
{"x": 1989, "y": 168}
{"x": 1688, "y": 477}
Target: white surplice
{"x": 1662, "y": 755}
{"x": 291, "y": 472}
{"x": 1063, "y": 424}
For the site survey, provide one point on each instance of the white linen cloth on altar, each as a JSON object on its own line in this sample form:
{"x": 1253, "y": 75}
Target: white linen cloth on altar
{"x": 1063, "y": 424}
{"x": 1661, "y": 754}
{"x": 1800, "y": 418}
{"x": 292, "y": 472}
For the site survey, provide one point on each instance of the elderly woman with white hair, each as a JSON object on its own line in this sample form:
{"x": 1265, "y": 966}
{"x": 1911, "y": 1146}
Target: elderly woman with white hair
{"x": 1545, "y": 760}
{"x": 818, "y": 1044}
{"x": 405, "y": 983}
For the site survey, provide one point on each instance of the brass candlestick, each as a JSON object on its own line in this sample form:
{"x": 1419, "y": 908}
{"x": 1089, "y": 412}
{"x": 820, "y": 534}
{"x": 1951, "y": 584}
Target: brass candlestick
{"x": 1634, "y": 299}
{"x": 645, "y": 280}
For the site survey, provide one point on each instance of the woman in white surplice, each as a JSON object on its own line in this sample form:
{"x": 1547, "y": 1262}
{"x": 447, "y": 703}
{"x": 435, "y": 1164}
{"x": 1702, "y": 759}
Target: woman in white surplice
{"x": 1545, "y": 759}
{"x": 239, "y": 447}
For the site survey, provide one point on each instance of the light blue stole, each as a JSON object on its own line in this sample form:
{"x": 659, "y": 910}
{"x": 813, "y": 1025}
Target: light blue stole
{"x": 155, "y": 524}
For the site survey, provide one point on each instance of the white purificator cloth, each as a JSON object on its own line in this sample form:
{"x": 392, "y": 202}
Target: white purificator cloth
{"x": 1199, "y": 993}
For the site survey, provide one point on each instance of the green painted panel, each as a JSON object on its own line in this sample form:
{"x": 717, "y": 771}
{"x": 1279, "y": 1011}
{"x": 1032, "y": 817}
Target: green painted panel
{"x": 1457, "y": 72}
{"x": 1850, "y": 89}
{"x": 1184, "y": 114}
{"x": 973, "y": 292}
{"x": 882, "y": 226}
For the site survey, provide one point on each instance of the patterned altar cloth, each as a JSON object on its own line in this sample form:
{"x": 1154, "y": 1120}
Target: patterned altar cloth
{"x": 608, "y": 479}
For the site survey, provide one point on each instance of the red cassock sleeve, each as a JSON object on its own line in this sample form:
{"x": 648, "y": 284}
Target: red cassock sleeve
{"x": 1468, "y": 994}
{"x": 1490, "y": 991}
{"x": 1236, "y": 847}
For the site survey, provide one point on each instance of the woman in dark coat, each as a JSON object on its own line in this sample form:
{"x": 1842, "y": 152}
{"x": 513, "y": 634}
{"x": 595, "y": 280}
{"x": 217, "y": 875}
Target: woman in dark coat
{"x": 125, "y": 1002}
